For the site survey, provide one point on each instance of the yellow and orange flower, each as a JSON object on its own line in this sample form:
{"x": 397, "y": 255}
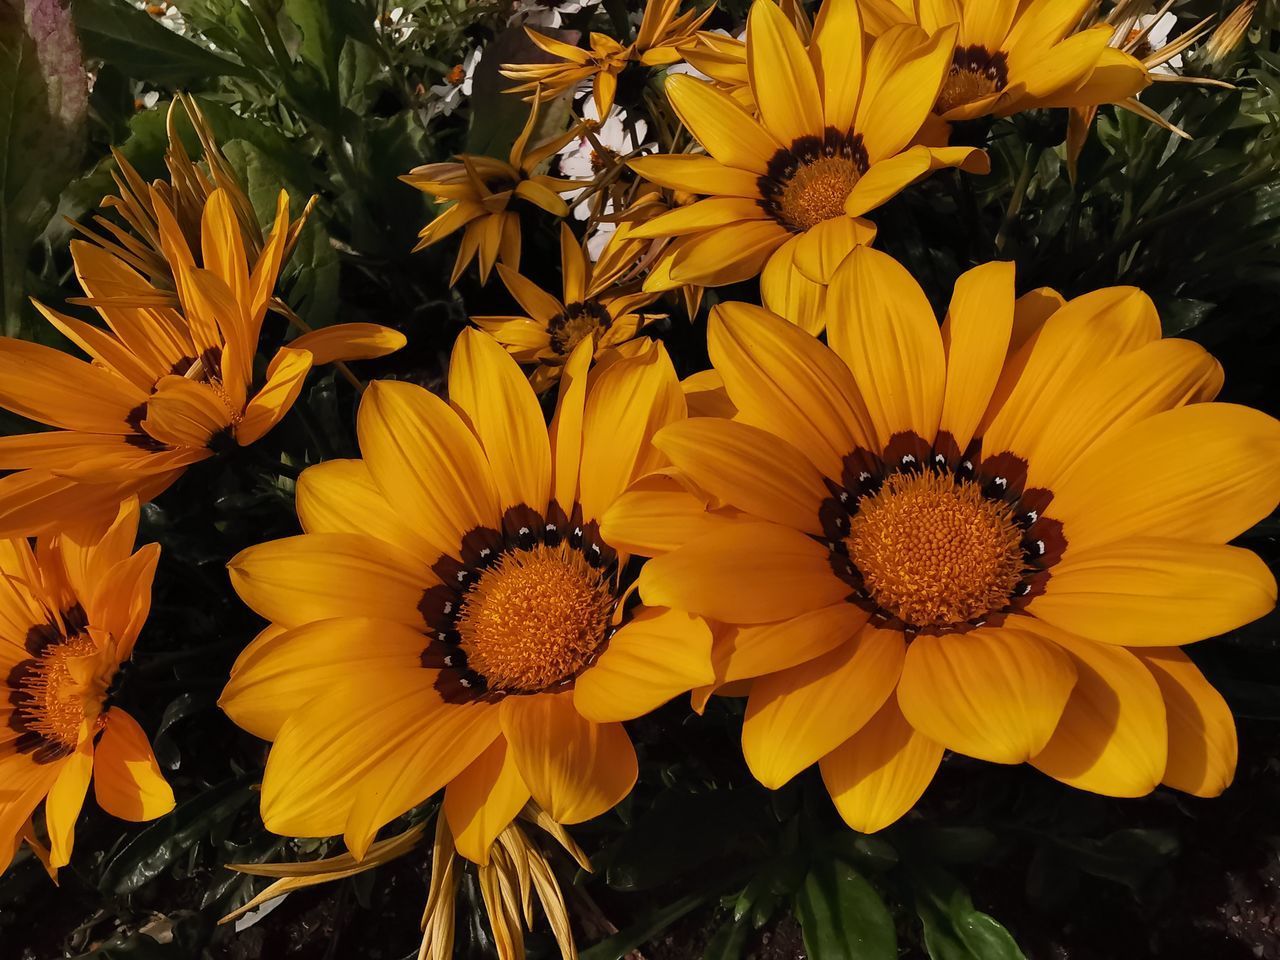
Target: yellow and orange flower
{"x": 660, "y": 35}
{"x": 452, "y": 617}
{"x": 991, "y": 538}
{"x": 479, "y": 194}
{"x": 590, "y": 309}
{"x": 166, "y": 385}
{"x": 70, "y": 613}
{"x": 1011, "y": 55}
{"x": 785, "y": 195}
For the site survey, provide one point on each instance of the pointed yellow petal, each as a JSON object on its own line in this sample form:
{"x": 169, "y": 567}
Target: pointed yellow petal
{"x": 127, "y": 781}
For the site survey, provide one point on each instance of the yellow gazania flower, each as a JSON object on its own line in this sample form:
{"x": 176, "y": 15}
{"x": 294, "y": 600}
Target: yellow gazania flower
{"x": 70, "y": 613}
{"x": 661, "y": 33}
{"x": 453, "y": 618}
{"x": 165, "y": 386}
{"x": 1011, "y": 55}
{"x": 991, "y": 538}
{"x": 479, "y": 192}
{"x": 592, "y": 309}
{"x": 784, "y": 195}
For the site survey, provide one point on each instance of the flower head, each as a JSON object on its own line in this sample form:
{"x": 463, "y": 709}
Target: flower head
{"x": 452, "y": 617}
{"x": 660, "y": 35}
{"x": 991, "y": 538}
{"x": 70, "y": 613}
{"x": 591, "y": 309}
{"x": 784, "y": 195}
{"x": 1011, "y": 56}
{"x": 480, "y": 194}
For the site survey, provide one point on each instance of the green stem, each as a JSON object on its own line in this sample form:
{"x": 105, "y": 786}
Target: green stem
{"x": 1030, "y": 161}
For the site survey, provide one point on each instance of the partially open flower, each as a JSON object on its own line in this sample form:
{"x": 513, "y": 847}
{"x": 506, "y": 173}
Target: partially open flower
{"x": 480, "y": 196}
{"x": 660, "y": 35}
{"x": 70, "y": 613}
{"x": 591, "y": 309}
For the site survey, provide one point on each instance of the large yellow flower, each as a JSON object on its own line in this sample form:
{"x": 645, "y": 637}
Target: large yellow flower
{"x": 784, "y": 195}
{"x": 70, "y": 613}
{"x": 592, "y": 308}
{"x": 480, "y": 194}
{"x": 166, "y": 386}
{"x": 453, "y": 618}
{"x": 1011, "y": 55}
{"x": 990, "y": 538}
{"x": 661, "y": 33}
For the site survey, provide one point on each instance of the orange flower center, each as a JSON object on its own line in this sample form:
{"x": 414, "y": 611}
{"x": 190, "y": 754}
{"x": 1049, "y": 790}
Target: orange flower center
{"x": 535, "y": 618}
{"x": 975, "y": 73}
{"x": 809, "y": 181}
{"x": 935, "y": 552}
{"x": 54, "y": 693}
{"x": 579, "y": 321}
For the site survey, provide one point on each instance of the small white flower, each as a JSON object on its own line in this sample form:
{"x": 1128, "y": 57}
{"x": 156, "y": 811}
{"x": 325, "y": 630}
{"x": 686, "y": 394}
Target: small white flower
{"x": 164, "y": 13}
{"x": 547, "y": 13}
{"x": 580, "y": 159}
{"x": 448, "y": 96}
{"x": 396, "y": 24}
{"x": 1156, "y": 38}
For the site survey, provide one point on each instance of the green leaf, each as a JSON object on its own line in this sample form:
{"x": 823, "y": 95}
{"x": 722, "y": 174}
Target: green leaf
{"x": 729, "y": 942}
{"x": 842, "y": 916}
{"x": 953, "y": 929}
{"x": 113, "y": 30}
{"x": 43, "y": 98}
{"x": 147, "y": 855}
{"x": 620, "y": 944}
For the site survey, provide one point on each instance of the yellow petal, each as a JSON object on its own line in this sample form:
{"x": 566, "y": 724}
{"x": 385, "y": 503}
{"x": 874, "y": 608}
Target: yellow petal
{"x": 426, "y": 462}
{"x": 720, "y": 125}
{"x": 539, "y": 304}
{"x": 481, "y": 801}
{"x": 748, "y": 468}
{"x": 282, "y": 670}
{"x": 575, "y": 769}
{"x": 783, "y": 380}
{"x": 986, "y": 24}
{"x": 122, "y": 599}
{"x": 976, "y": 339}
{"x": 887, "y": 178}
{"x": 797, "y": 716}
{"x": 1073, "y": 342}
{"x": 66, "y": 797}
{"x": 285, "y": 375}
{"x": 704, "y": 215}
{"x": 488, "y": 387}
{"x": 655, "y": 515}
{"x": 819, "y": 250}
{"x": 881, "y": 324}
{"x": 1202, "y": 732}
{"x": 1145, "y": 591}
{"x": 836, "y": 49}
{"x": 184, "y": 413}
{"x": 697, "y": 173}
{"x": 903, "y": 80}
{"x": 627, "y": 403}
{"x": 127, "y": 781}
{"x": 320, "y": 575}
{"x": 51, "y": 387}
{"x": 747, "y": 572}
{"x": 879, "y": 773}
{"x": 1112, "y": 738}
{"x": 787, "y": 292}
{"x": 781, "y": 76}
{"x": 565, "y": 432}
{"x": 349, "y": 341}
{"x": 743, "y": 652}
{"x": 995, "y": 693}
{"x": 657, "y": 655}
{"x": 339, "y": 496}
{"x": 1203, "y": 472}
{"x": 728, "y": 254}
{"x": 1129, "y": 388}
